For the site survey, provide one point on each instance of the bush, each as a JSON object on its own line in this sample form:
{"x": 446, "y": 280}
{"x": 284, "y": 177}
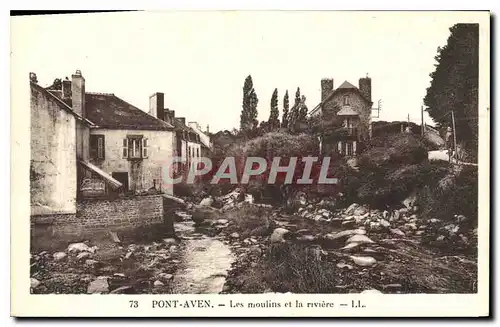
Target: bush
{"x": 460, "y": 197}
{"x": 298, "y": 269}
{"x": 249, "y": 220}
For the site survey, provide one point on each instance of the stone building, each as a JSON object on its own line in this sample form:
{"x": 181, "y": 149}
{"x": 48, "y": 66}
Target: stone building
{"x": 347, "y": 110}
{"x": 91, "y": 153}
{"x": 186, "y": 141}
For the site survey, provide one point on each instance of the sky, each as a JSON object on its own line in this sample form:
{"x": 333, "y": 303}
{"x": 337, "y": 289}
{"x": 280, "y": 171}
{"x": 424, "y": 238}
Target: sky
{"x": 200, "y": 60}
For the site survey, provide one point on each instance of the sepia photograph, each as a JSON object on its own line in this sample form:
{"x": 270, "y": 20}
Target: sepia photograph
{"x": 272, "y": 152}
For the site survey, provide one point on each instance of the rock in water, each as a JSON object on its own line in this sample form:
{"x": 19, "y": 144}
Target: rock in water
{"x": 351, "y": 208}
{"x": 79, "y": 247}
{"x": 83, "y": 255}
{"x": 372, "y": 291}
{"x": 344, "y": 233}
{"x": 34, "y": 283}
{"x": 59, "y": 256}
{"x": 350, "y": 246}
{"x": 384, "y": 223}
{"x": 98, "y": 286}
{"x": 278, "y": 235}
{"x": 158, "y": 283}
{"x": 207, "y": 202}
{"x": 359, "y": 239}
{"x": 397, "y": 232}
{"x": 364, "y": 261}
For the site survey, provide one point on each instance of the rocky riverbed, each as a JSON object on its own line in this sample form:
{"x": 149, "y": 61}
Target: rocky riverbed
{"x": 250, "y": 248}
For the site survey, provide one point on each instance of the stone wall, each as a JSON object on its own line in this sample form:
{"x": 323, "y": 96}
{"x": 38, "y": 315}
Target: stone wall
{"x": 106, "y": 214}
{"x": 53, "y": 156}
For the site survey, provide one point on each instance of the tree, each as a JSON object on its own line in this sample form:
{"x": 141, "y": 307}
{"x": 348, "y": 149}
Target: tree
{"x": 248, "y": 117}
{"x": 454, "y": 85}
{"x": 294, "y": 112}
{"x": 274, "y": 120}
{"x": 286, "y": 103}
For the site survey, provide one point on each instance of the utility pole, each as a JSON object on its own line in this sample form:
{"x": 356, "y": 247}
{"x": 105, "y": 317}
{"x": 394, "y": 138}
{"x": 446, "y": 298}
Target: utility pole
{"x": 454, "y": 133}
{"x": 422, "y": 119}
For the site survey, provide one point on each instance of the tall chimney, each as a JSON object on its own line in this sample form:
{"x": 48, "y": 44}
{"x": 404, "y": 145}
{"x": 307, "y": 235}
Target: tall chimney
{"x": 365, "y": 87}
{"x": 208, "y": 128}
{"x": 66, "y": 89}
{"x": 156, "y": 102}
{"x": 326, "y": 87}
{"x": 78, "y": 93}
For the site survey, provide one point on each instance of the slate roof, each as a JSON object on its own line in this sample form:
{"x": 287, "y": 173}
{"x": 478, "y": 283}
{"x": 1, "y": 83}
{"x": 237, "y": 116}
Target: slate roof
{"x": 109, "y": 111}
{"x": 344, "y": 86}
{"x": 106, "y": 110}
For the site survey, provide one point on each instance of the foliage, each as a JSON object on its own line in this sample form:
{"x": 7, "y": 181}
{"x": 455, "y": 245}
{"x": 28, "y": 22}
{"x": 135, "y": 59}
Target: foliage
{"x": 248, "y": 117}
{"x": 274, "y": 121}
{"x": 454, "y": 84}
{"x": 286, "y": 103}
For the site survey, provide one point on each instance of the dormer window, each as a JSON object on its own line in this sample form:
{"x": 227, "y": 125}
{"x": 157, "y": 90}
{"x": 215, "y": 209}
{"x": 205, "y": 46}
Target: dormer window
{"x": 346, "y": 100}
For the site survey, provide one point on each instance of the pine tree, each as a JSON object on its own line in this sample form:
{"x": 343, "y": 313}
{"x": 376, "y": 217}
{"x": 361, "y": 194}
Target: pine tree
{"x": 284, "y": 118}
{"x": 454, "y": 84}
{"x": 248, "y": 117}
{"x": 294, "y": 112}
{"x": 274, "y": 120}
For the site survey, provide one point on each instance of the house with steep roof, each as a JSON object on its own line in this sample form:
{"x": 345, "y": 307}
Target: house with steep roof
{"x": 126, "y": 149}
{"x": 348, "y": 108}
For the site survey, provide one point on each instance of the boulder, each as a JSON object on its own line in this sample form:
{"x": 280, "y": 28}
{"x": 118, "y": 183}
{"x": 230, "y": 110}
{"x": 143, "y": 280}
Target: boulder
{"x": 79, "y": 247}
{"x": 384, "y": 223}
{"x": 306, "y": 238}
{"x": 397, "y": 232}
{"x": 364, "y": 261}
{"x": 221, "y": 221}
{"x": 344, "y": 233}
{"x": 350, "y": 246}
{"x": 361, "y": 239}
{"x": 360, "y": 211}
{"x": 169, "y": 241}
{"x": 342, "y": 265}
{"x": 158, "y": 283}
{"x": 371, "y": 291}
{"x": 98, "y": 286}
{"x": 165, "y": 276}
{"x": 351, "y": 208}
{"x": 90, "y": 262}
{"x": 34, "y": 283}
{"x": 59, "y": 256}
{"x": 235, "y": 235}
{"x": 278, "y": 235}
{"x": 207, "y": 202}
{"x": 83, "y": 255}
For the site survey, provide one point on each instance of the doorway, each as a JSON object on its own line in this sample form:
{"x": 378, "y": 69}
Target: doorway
{"x": 122, "y": 178}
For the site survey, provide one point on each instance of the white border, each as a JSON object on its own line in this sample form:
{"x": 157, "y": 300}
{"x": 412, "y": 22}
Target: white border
{"x": 101, "y": 306}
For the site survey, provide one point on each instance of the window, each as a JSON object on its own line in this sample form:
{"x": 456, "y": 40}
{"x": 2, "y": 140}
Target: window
{"x": 135, "y": 147}
{"x": 346, "y": 100}
{"x": 349, "y": 149}
{"x": 97, "y": 146}
{"x": 198, "y": 153}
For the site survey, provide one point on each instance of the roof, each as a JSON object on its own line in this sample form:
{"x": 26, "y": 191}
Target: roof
{"x": 347, "y": 111}
{"x": 63, "y": 105}
{"x": 109, "y": 111}
{"x": 106, "y": 110}
{"x": 110, "y": 180}
{"x": 344, "y": 86}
